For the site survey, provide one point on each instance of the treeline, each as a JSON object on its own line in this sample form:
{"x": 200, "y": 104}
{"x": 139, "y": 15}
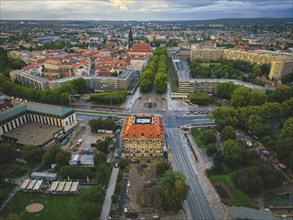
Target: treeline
{"x": 229, "y": 69}
{"x": 200, "y": 98}
{"x": 155, "y": 72}
{"x": 250, "y": 112}
{"x": 59, "y": 96}
{"x": 8, "y": 64}
{"x": 100, "y": 124}
{"x": 109, "y": 97}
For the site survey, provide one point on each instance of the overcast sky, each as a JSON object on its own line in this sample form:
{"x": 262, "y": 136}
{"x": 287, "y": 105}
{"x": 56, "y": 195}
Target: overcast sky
{"x": 144, "y": 9}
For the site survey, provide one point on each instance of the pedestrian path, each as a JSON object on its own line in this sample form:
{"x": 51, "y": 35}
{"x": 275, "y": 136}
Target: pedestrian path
{"x": 108, "y": 198}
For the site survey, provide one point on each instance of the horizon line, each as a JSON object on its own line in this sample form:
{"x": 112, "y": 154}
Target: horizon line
{"x": 212, "y": 19}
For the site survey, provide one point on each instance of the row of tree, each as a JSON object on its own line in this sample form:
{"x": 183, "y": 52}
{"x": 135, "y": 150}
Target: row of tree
{"x": 59, "y": 96}
{"x": 8, "y": 64}
{"x": 200, "y": 98}
{"x": 251, "y": 112}
{"x": 100, "y": 124}
{"x": 155, "y": 72}
{"x": 109, "y": 97}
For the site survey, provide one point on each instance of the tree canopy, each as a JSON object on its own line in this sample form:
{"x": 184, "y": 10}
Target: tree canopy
{"x": 200, "y": 98}
{"x": 231, "y": 152}
{"x": 174, "y": 189}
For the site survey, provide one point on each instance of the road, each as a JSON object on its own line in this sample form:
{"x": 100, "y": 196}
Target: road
{"x": 197, "y": 206}
{"x": 176, "y": 115}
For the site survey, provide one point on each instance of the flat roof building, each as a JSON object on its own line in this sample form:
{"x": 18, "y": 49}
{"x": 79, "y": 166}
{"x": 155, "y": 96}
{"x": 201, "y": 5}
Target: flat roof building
{"x": 23, "y": 122}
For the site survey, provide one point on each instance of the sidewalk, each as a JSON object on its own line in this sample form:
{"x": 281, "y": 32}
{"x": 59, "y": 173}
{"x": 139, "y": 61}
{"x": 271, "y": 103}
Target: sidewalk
{"x": 212, "y": 196}
{"x": 110, "y": 191}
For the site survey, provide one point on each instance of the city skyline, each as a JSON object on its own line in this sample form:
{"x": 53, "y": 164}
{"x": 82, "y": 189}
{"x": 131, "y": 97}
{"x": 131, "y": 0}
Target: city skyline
{"x": 144, "y": 9}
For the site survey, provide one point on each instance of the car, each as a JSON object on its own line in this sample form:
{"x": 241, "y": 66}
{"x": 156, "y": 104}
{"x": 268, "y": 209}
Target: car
{"x": 128, "y": 184}
{"x": 79, "y": 142}
{"x": 116, "y": 165}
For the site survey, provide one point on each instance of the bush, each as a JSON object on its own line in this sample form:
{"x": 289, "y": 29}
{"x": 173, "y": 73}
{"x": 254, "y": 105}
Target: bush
{"x": 211, "y": 150}
{"x": 200, "y": 98}
{"x": 110, "y": 97}
{"x": 208, "y": 137}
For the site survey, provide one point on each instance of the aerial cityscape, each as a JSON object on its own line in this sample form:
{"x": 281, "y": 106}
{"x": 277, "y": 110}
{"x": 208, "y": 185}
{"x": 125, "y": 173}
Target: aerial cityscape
{"x": 125, "y": 109}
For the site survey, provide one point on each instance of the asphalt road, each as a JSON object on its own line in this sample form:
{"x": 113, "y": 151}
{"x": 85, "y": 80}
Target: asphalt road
{"x": 197, "y": 204}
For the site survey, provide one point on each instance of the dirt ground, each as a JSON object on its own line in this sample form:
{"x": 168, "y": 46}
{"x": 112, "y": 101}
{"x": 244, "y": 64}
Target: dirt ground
{"x": 145, "y": 200}
{"x": 34, "y": 207}
{"x": 140, "y": 198}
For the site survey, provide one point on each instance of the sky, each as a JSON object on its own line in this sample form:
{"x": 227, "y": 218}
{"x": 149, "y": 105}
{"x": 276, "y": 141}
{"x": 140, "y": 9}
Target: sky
{"x": 145, "y": 10}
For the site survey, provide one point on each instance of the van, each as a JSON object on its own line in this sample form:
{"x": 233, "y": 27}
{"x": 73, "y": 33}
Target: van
{"x": 79, "y": 141}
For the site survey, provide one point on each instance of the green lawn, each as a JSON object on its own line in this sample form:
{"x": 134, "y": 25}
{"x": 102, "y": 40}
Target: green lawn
{"x": 174, "y": 85}
{"x": 56, "y": 206}
{"x": 211, "y": 117}
{"x": 5, "y": 189}
{"x": 197, "y": 134}
{"x": 99, "y": 113}
{"x": 239, "y": 198}
{"x": 14, "y": 170}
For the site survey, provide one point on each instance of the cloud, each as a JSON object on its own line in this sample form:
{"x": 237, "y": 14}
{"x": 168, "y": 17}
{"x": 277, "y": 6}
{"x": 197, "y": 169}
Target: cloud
{"x": 143, "y": 9}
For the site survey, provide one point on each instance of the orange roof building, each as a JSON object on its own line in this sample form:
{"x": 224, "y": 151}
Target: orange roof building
{"x": 143, "y": 137}
{"x": 141, "y": 48}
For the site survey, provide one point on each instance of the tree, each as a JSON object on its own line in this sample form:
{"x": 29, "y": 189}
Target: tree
{"x": 146, "y": 85}
{"x": 231, "y": 152}
{"x": 49, "y": 156}
{"x": 174, "y": 189}
{"x": 200, "y": 98}
{"x": 103, "y": 174}
{"x": 100, "y": 158}
{"x": 240, "y": 97}
{"x": 102, "y": 145}
{"x": 32, "y": 154}
{"x": 161, "y": 82}
{"x": 287, "y": 107}
{"x": 248, "y": 180}
{"x": 225, "y": 89}
{"x": 280, "y": 94}
{"x": 7, "y": 153}
{"x": 62, "y": 158}
{"x": 79, "y": 85}
{"x": 228, "y": 133}
{"x": 256, "y": 69}
{"x": 162, "y": 168}
{"x": 208, "y": 137}
{"x": 287, "y": 130}
{"x": 211, "y": 150}
{"x": 123, "y": 163}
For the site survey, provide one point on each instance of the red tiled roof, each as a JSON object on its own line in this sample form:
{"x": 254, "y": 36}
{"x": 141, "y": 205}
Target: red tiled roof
{"x": 153, "y": 130}
{"x": 143, "y": 47}
{"x": 270, "y": 82}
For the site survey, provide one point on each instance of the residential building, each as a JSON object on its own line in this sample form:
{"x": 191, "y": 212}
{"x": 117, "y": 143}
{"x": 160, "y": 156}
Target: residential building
{"x": 281, "y": 63}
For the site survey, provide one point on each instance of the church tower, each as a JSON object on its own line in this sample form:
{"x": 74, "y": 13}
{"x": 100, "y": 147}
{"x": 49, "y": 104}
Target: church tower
{"x": 130, "y": 39}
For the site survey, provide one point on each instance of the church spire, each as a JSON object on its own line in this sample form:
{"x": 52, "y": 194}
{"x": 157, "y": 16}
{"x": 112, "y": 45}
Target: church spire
{"x": 130, "y": 39}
